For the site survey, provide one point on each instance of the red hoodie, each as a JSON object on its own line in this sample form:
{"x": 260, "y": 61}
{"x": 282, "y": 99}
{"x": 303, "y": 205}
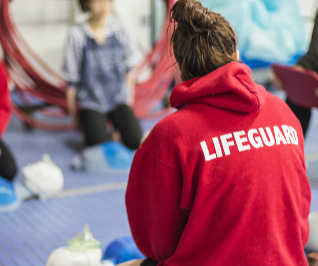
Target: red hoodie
{"x": 222, "y": 181}
{"x": 5, "y": 104}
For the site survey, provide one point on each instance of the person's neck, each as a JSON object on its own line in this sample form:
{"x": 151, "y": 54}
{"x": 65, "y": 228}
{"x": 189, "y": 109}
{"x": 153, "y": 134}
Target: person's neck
{"x": 97, "y": 23}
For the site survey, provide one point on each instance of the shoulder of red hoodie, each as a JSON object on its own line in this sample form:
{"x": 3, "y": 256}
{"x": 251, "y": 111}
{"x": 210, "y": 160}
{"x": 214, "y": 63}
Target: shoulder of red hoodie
{"x": 5, "y": 103}
{"x": 176, "y": 140}
{"x": 201, "y": 118}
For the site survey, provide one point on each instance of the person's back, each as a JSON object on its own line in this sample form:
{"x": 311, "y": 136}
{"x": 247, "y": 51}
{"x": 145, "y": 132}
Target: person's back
{"x": 222, "y": 181}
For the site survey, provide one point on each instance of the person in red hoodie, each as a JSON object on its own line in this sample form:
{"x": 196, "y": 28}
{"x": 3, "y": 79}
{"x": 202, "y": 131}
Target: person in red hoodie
{"x": 8, "y": 167}
{"x": 222, "y": 181}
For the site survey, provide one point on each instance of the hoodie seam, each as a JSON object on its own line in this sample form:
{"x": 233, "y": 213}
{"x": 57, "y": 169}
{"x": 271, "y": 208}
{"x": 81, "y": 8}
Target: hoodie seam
{"x": 163, "y": 163}
{"x": 258, "y": 102}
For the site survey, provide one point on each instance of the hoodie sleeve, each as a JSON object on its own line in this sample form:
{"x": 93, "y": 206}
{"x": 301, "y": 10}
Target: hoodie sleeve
{"x": 153, "y": 200}
{"x": 5, "y": 104}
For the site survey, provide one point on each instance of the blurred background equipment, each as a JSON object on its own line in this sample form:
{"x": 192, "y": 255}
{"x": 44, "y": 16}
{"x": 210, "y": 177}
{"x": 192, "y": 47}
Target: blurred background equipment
{"x": 83, "y": 250}
{"x": 268, "y": 30}
{"x": 37, "y": 87}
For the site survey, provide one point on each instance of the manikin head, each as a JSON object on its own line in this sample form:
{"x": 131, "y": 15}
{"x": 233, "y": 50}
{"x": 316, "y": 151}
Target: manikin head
{"x": 202, "y": 40}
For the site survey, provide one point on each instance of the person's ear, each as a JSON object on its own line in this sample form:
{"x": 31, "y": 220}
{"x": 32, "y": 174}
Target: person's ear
{"x": 236, "y": 55}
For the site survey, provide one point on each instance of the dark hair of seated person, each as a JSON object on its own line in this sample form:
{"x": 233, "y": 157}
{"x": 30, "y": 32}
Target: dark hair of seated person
{"x": 84, "y": 4}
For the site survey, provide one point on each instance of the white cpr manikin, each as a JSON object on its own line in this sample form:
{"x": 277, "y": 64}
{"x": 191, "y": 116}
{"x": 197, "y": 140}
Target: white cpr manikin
{"x": 67, "y": 256}
{"x": 43, "y": 178}
{"x": 83, "y": 250}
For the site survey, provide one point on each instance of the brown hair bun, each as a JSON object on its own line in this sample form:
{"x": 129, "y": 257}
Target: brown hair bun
{"x": 202, "y": 40}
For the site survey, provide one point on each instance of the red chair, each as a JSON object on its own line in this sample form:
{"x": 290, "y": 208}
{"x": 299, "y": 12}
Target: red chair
{"x": 300, "y": 85}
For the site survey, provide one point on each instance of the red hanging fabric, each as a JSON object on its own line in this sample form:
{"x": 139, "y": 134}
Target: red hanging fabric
{"x": 31, "y": 76}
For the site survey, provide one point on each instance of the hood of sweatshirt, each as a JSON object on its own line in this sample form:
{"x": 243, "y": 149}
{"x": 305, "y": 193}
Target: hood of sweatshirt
{"x": 230, "y": 87}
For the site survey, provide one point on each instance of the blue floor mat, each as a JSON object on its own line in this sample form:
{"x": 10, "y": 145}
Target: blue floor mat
{"x": 28, "y": 147}
{"x": 29, "y": 235}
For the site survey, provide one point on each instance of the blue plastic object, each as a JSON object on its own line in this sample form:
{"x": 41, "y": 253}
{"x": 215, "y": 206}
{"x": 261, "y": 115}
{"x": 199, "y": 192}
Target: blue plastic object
{"x": 254, "y": 63}
{"x": 117, "y": 155}
{"x": 122, "y": 250}
{"x": 268, "y": 30}
{"x": 7, "y": 194}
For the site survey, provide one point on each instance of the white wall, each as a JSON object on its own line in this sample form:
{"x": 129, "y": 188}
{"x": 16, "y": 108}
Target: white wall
{"x": 160, "y": 17}
{"x": 308, "y": 7}
{"x": 308, "y": 10}
{"x": 44, "y": 24}
{"x": 137, "y": 14}
{"x": 42, "y": 11}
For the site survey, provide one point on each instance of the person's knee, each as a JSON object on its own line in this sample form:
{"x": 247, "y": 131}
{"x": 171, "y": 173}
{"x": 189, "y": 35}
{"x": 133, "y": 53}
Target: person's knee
{"x": 9, "y": 172}
{"x": 132, "y": 138}
{"x": 133, "y": 146}
{"x": 133, "y": 143}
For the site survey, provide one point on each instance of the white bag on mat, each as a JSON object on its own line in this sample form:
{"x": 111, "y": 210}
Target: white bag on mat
{"x": 43, "y": 178}
{"x": 312, "y": 243}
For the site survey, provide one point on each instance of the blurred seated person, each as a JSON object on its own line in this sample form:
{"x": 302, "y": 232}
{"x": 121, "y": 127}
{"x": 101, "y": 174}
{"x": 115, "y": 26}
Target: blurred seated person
{"x": 8, "y": 168}
{"x": 99, "y": 56}
{"x": 310, "y": 62}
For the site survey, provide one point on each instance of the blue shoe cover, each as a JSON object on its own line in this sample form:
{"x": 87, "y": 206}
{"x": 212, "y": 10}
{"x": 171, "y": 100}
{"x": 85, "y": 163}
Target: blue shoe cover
{"x": 117, "y": 155}
{"x": 107, "y": 158}
{"x": 8, "y": 199}
{"x": 122, "y": 250}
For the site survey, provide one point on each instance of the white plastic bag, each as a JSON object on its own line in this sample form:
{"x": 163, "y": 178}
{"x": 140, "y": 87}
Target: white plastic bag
{"x": 43, "y": 178}
{"x": 312, "y": 243}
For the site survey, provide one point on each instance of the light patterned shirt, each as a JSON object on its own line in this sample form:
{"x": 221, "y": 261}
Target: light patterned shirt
{"x": 96, "y": 70}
